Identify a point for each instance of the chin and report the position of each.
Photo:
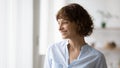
(64, 37)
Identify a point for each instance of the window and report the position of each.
(48, 24)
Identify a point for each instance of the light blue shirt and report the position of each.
(57, 57)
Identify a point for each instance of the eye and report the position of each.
(59, 21)
(65, 22)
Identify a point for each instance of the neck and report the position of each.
(76, 43)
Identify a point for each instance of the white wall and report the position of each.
(103, 36)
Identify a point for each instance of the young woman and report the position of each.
(74, 24)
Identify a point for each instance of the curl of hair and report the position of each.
(77, 14)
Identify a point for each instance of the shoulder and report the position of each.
(99, 58)
(94, 56)
(58, 45)
(95, 52)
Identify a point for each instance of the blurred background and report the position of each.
(29, 27)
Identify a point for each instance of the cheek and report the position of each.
(75, 30)
(66, 27)
(72, 30)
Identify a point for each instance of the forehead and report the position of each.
(62, 20)
(66, 20)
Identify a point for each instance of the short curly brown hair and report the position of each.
(77, 14)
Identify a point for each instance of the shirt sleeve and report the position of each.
(101, 62)
(47, 62)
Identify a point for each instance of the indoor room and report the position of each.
(29, 28)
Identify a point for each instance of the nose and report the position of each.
(60, 26)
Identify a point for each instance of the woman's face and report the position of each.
(67, 29)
